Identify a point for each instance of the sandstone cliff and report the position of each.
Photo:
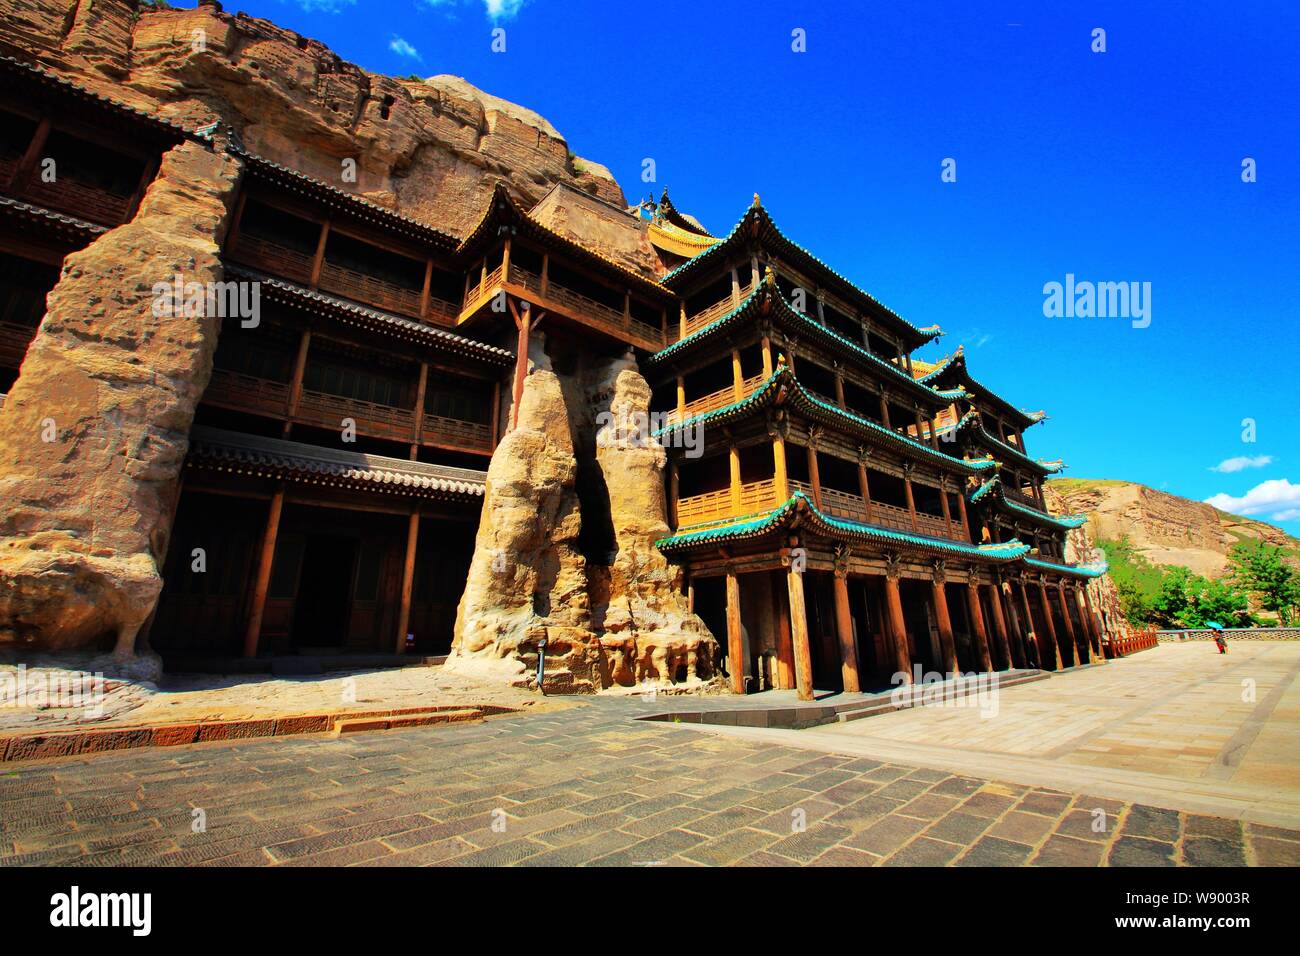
(431, 149)
(1166, 529)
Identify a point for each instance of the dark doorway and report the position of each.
(324, 591)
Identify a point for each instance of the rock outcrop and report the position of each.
(1081, 548)
(432, 149)
(1166, 529)
(565, 548)
(94, 433)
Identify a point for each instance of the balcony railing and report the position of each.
(436, 430)
(841, 504)
(14, 339)
(715, 507)
(714, 312)
(574, 304)
(715, 400)
(246, 393)
(271, 257)
(79, 199)
(369, 290)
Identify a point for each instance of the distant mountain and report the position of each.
(1165, 528)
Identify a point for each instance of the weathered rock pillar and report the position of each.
(94, 433)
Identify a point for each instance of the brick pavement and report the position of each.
(585, 785)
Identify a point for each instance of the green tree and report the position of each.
(1257, 567)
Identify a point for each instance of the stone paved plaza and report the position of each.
(590, 784)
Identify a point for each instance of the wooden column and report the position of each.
(943, 503)
(864, 486)
(681, 322)
(295, 384)
(839, 386)
(424, 289)
(408, 578)
(546, 273)
(1069, 624)
(1083, 623)
(735, 636)
(735, 287)
(681, 398)
(884, 410)
(31, 156)
(977, 622)
(1017, 632)
(733, 457)
(961, 508)
(318, 260)
(911, 501)
(523, 322)
(947, 642)
(265, 559)
(768, 367)
(420, 386)
(1051, 629)
(814, 475)
(784, 642)
(897, 627)
(1097, 628)
(844, 627)
(799, 634)
(780, 476)
(737, 377)
(1031, 633)
(505, 261)
(1000, 627)
(673, 490)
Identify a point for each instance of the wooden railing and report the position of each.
(14, 339)
(246, 393)
(1020, 498)
(79, 199)
(715, 507)
(714, 312)
(383, 421)
(574, 304)
(273, 258)
(841, 504)
(369, 290)
(436, 430)
(715, 400)
(1130, 641)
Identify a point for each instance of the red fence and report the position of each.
(1130, 642)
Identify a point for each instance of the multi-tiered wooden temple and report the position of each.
(849, 512)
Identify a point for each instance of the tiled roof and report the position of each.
(256, 456)
(794, 395)
(1074, 570)
(813, 519)
(993, 489)
(972, 422)
(358, 207)
(48, 217)
(52, 81)
(955, 366)
(767, 292)
(395, 325)
(757, 218)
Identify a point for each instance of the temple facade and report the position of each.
(837, 511)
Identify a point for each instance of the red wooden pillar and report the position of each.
(1098, 631)
(784, 642)
(844, 626)
(1069, 624)
(897, 627)
(262, 582)
(408, 578)
(799, 633)
(1051, 628)
(946, 641)
(735, 636)
(1000, 627)
(977, 622)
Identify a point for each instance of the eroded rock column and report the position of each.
(94, 432)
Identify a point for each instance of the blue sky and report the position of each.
(1122, 166)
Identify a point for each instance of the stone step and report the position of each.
(361, 724)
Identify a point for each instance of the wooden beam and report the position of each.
(844, 627)
(408, 578)
(318, 260)
(266, 557)
(27, 165)
(420, 386)
(295, 385)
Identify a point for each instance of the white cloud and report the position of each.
(1276, 497)
(325, 6)
(1241, 463)
(402, 48)
(503, 9)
